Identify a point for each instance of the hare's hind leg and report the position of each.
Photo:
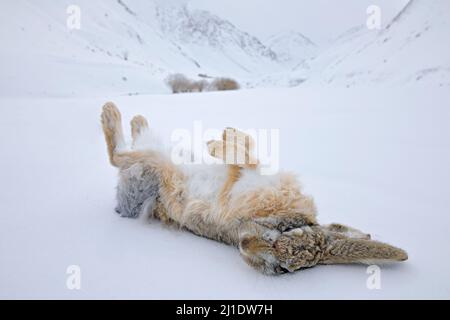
(144, 138)
(118, 153)
(112, 128)
(139, 125)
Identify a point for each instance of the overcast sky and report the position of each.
(320, 20)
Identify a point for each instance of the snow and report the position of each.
(372, 150)
(127, 47)
(412, 48)
(292, 47)
(377, 160)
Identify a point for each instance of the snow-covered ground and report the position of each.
(366, 129)
(375, 159)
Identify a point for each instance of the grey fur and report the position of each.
(137, 190)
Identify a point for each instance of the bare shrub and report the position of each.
(179, 83)
(224, 84)
(200, 86)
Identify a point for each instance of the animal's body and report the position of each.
(269, 218)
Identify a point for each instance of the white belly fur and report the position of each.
(204, 182)
(252, 180)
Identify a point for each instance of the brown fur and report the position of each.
(234, 173)
(138, 125)
(275, 227)
(112, 128)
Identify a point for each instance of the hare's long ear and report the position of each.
(350, 250)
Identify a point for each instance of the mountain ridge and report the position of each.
(292, 46)
(409, 49)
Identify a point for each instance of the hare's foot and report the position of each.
(232, 154)
(111, 118)
(138, 126)
(239, 137)
(112, 128)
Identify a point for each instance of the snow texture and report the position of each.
(372, 148)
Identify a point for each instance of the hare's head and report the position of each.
(331, 244)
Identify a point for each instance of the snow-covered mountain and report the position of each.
(207, 37)
(130, 46)
(126, 46)
(292, 47)
(412, 48)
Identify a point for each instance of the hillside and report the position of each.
(123, 46)
(292, 47)
(411, 48)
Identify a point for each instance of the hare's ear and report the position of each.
(350, 250)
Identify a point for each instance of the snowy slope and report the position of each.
(208, 38)
(123, 46)
(332, 55)
(412, 48)
(130, 46)
(292, 47)
(376, 159)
